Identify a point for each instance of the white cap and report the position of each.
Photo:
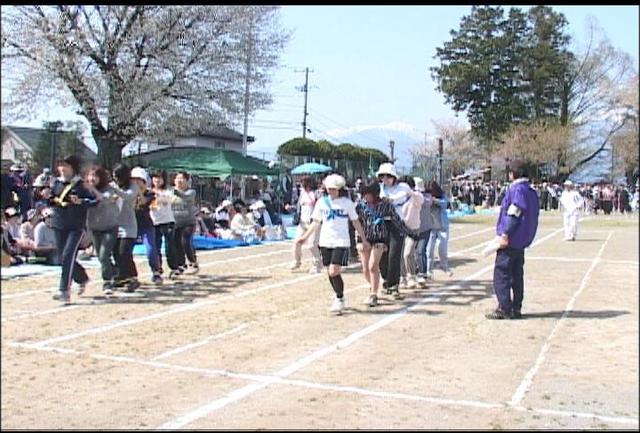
(568, 182)
(140, 173)
(334, 181)
(387, 168)
(419, 184)
(10, 212)
(258, 205)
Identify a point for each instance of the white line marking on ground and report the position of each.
(572, 259)
(201, 342)
(63, 309)
(524, 386)
(468, 235)
(146, 274)
(332, 387)
(174, 310)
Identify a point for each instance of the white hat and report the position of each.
(10, 212)
(140, 173)
(568, 182)
(387, 168)
(226, 203)
(258, 205)
(39, 182)
(334, 181)
(419, 184)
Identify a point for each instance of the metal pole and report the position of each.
(440, 156)
(306, 94)
(392, 145)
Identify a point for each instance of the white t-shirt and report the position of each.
(571, 201)
(334, 232)
(307, 201)
(160, 211)
(399, 194)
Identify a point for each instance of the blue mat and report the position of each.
(203, 243)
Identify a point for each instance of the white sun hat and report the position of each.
(140, 173)
(568, 182)
(334, 181)
(387, 168)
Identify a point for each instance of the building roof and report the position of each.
(221, 131)
(32, 136)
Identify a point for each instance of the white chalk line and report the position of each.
(97, 281)
(579, 260)
(527, 381)
(175, 310)
(325, 386)
(65, 308)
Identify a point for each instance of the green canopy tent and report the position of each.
(213, 163)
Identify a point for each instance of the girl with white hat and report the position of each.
(398, 193)
(332, 213)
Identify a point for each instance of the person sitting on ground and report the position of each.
(205, 225)
(26, 229)
(243, 226)
(9, 246)
(45, 239)
(224, 214)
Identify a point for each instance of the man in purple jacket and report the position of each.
(517, 226)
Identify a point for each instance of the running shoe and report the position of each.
(156, 279)
(371, 300)
(132, 286)
(337, 306)
(82, 287)
(294, 266)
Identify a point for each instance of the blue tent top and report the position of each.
(311, 168)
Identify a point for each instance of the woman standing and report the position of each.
(69, 200)
(127, 229)
(164, 221)
(410, 214)
(373, 213)
(426, 223)
(306, 201)
(102, 221)
(440, 230)
(332, 214)
(398, 193)
(184, 211)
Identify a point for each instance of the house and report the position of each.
(144, 151)
(21, 145)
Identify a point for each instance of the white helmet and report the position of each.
(387, 168)
(140, 173)
(334, 181)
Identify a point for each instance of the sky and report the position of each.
(369, 67)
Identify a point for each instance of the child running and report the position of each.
(373, 213)
(332, 213)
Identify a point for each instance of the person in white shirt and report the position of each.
(164, 221)
(399, 194)
(307, 199)
(332, 214)
(410, 214)
(572, 203)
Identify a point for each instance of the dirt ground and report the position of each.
(249, 344)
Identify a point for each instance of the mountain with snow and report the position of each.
(404, 135)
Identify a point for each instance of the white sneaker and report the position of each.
(294, 265)
(403, 282)
(337, 306)
(412, 281)
(421, 280)
(314, 270)
(429, 276)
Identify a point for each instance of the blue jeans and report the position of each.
(443, 237)
(421, 251)
(104, 243)
(508, 275)
(148, 235)
(166, 231)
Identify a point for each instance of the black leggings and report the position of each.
(391, 259)
(166, 231)
(123, 253)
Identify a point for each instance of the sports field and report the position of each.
(249, 344)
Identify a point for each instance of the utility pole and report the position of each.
(612, 161)
(305, 89)
(392, 144)
(440, 157)
(53, 129)
(246, 98)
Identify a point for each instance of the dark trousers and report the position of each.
(508, 276)
(67, 243)
(391, 259)
(166, 231)
(104, 243)
(184, 245)
(123, 253)
(148, 235)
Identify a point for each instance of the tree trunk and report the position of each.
(109, 151)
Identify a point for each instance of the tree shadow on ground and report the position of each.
(176, 291)
(576, 314)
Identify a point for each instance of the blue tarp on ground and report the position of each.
(203, 243)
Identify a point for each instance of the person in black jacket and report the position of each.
(69, 200)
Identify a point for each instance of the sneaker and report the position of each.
(57, 295)
(314, 270)
(428, 276)
(496, 314)
(294, 266)
(194, 268)
(66, 297)
(397, 295)
(420, 279)
(107, 288)
(412, 281)
(337, 306)
(156, 279)
(174, 274)
(82, 287)
(371, 300)
(132, 286)
(516, 314)
(403, 282)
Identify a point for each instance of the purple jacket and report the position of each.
(522, 195)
